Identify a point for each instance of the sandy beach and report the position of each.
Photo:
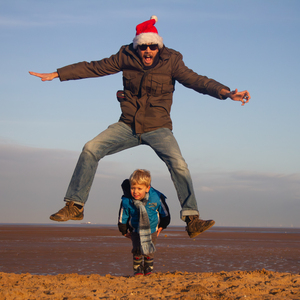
(92, 262)
(176, 285)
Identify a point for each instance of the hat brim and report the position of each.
(148, 38)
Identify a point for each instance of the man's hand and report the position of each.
(45, 76)
(235, 95)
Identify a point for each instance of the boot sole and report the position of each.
(55, 218)
(194, 234)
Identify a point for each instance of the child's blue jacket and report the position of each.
(156, 207)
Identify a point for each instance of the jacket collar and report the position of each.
(164, 53)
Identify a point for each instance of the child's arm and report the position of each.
(124, 212)
(123, 219)
(164, 214)
(123, 228)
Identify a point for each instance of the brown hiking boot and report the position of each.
(195, 226)
(69, 212)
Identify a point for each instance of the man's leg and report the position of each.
(163, 142)
(115, 138)
(166, 147)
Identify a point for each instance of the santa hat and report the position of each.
(146, 33)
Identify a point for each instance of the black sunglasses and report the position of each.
(144, 47)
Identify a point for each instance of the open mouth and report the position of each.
(148, 59)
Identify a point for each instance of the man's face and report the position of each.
(138, 191)
(146, 54)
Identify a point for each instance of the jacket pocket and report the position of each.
(161, 85)
(131, 83)
(160, 107)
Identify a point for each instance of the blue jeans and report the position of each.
(118, 137)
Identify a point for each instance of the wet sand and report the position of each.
(94, 262)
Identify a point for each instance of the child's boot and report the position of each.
(148, 265)
(138, 265)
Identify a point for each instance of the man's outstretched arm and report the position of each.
(243, 96)
(45, 76)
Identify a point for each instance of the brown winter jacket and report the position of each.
(148, 93)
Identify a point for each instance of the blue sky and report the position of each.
(244, 160)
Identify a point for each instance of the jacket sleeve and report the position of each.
(123, 220)
(164, 213)
(123, 228)
(199, 83)
(106, 66)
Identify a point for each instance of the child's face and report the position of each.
(138, 191)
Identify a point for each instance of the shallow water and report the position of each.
(86, 249)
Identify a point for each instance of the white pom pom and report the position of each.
(154, 17)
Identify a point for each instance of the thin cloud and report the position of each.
(254, 183)
(54, 20)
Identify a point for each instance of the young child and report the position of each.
(144, 213)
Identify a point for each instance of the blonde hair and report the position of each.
(140, 176)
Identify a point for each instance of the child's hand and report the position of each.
(128, 235)
(159, 230)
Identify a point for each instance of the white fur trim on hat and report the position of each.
(148, 38)
(154, 17)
